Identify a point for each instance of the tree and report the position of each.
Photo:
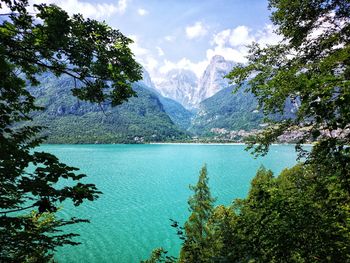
(159, 255)
(99, 60)
(295, 217)
(197, 233)
(298, 216)
(310, 67)
(221, 225)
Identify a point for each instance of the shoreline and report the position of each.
(197, 143)
(229, 143)
(175, 143)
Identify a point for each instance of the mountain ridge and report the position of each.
(69, 120)
(184, 87)
(149, 117)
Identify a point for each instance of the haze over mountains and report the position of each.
(177, 108)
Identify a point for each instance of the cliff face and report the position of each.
(184, 87)
(213, 79)
(179, 85)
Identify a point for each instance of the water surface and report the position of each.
(145, 185)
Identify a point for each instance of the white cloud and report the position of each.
(96, 11)
(136, 48)
(240, 36)
(160, 51)
(142, 12)
(150, 63)
(266, 36)
(122, 5)
(222, 37)
(4, 9)
(144, 56)
(232, 43)
(184, 63)
(236, 55)
(169, 38)
(229, 43)
(196, 31)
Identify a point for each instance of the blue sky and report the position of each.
(185, 34)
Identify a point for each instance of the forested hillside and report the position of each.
(70, 120)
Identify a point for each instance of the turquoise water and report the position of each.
(145, 185)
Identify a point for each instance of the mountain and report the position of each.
(179, 85)
(227, 110)
(177, 113)
(184, 87)
(69, 120)
(146, 79)
(234, 111)
(213, 79)
(150, 116)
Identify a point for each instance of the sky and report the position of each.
(185, 34)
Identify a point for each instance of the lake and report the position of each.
(144, 186)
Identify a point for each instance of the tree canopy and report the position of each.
(95, 56)
(310, 67)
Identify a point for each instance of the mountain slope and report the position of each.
(227, 110)
(234, 111)
(69, 120)
(177, 113)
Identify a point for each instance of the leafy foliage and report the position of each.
(30, 44)
(292, 218)
(300, 216)
(311, 66)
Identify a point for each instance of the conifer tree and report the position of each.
(198, 235)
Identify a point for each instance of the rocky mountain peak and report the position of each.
(181, 75)
(183, 86)
(217, 59)
(179, 85)
(213, 79)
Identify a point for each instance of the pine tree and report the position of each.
(196, 247)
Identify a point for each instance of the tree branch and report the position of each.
(16, 210)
